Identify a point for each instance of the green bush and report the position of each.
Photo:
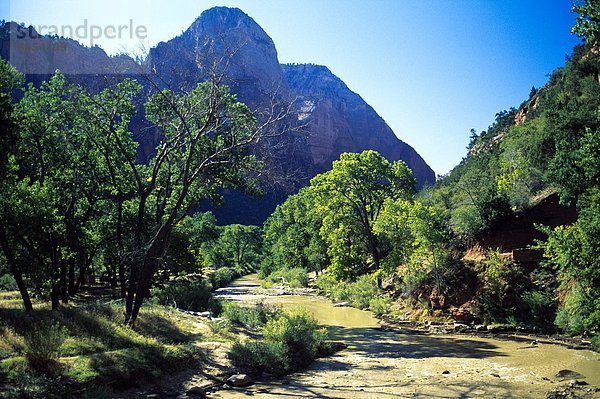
(185, 294)
(252, 317)
(221, 277)
(539, 307)
(359, 293)
(295, 277)
(42, 344)
(7, 283)
(571, 316)
(327, 284)
(380, 305)
(413, 281)
(596, 342)
(502, 284)
(300, 333)
(362, 291)
(218, 326)
(267, 356)
(291, 340)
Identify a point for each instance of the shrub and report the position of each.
(291, 341)
(358, 293)
(501, 285)
(300, 333)
(362, 291)
(221, 277)
(7, 283)
(571, 316)
(42, 345)
(218, 326)
(295, 277)
(327, 284)
(413, 281)
(596, 342)
(539, 306)
(185, 294)
(267, 356)
(380, 305)
(250, 317)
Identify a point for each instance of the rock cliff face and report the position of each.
(330, 118)
(35, 54)
(227, 42)
(339, 120)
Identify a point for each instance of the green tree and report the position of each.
(292, 237)
(10, 80)
(420, 236)
(57, 176)
(192, 239)
(588, 21)
(237, 246)
(206, 133)
(351, 196)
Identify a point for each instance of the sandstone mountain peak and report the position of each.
(313, 77)
(339, 120)
(223, 40)
(224, 17)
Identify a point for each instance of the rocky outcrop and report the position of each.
(526, 109)
(35, 54)
(226, 42)
(339, 120)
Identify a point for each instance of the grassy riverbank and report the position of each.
(83, 350)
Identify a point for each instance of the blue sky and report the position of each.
(433, 69)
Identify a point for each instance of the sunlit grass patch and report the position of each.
(87, 346)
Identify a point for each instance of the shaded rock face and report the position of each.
(327, 118)
(339, 120)
(227, 42)
(35, 54)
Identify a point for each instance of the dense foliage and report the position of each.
(77, 201)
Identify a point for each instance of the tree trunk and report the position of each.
(137, 265)
(72, 289)
(372, 241)
(55, 296)
(64, 293)
(121, 261)
(150, 264)
(14, 269)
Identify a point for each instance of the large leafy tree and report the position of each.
(10, 80)
(237, 246)
(206, 134)
(192, 241)
(350, 197)
(292, 237)
(419, 236)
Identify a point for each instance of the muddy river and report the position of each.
(385, 364)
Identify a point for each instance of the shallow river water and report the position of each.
(385, 364)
